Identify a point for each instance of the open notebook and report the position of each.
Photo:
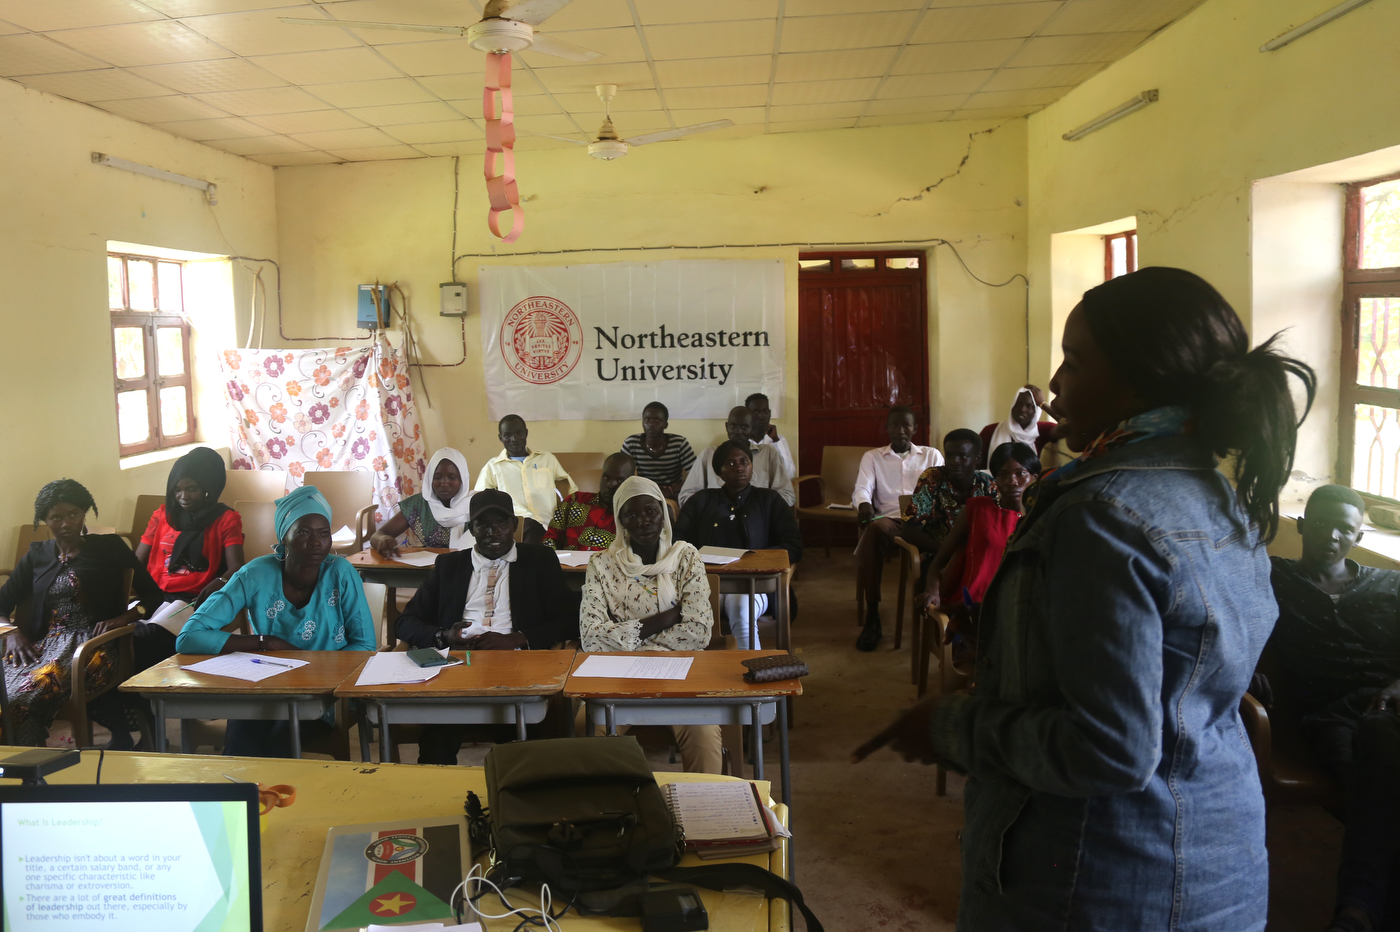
(723, 820)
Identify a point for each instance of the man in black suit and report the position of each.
(499, 595)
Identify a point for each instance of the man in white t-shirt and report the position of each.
(885, 474)
(765, 432)
(769, 472)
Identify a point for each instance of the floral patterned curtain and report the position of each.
(326, 409)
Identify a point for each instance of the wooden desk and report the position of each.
(713, 693)
(304, 693)
(374, 567)
(333, 793)
(6, 722)
(500, 687)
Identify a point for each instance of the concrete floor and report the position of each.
(876, 848)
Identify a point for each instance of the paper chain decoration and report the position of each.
(500, 140)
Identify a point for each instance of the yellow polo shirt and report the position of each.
(530, 484)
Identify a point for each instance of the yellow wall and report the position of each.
(340, 225)
(59, 211)
(1229, 115)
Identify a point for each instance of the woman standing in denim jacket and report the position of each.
(1110, 782)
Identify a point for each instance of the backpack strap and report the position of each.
(722, 876)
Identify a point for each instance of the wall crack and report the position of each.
(962, 163)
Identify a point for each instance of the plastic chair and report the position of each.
(587, 480)
(351, 495)
(1289, 772)
(836, 484)
(253, 485)
(146, 506)
(75, 712)
(951, 679)
(377, 596)
(574, 463)
(259, 527)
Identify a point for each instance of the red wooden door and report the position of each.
(862, 348)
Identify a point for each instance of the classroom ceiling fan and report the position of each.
(608, 146)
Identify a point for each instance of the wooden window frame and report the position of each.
(1358, 283)
(152, 382)
(1129, 238)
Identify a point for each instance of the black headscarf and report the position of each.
(206, 467)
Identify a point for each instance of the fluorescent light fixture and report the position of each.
(211, 190)
(1117, 113)
(1317, 22)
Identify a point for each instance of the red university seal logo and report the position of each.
(541, 340)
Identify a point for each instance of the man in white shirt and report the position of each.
(768, 469)
(528, 477)
(764, 431)
(885, 474)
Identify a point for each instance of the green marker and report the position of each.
(469, 658)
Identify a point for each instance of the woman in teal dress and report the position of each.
(437, 518)
(299, 597)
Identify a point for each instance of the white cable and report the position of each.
(476, 873)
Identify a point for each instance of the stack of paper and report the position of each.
(391, 667)
(720, 556)
(417, 558)
(636, 668)
(245, 666)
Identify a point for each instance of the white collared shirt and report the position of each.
(475, 610)
(784, 452)
(530, 483)
(885, 475)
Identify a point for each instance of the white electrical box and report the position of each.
(454, 299)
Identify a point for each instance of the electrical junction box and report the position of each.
(365, 317)
(454, 299)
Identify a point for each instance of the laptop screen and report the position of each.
(114, 858)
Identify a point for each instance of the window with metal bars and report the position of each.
(150, 353)
(1369, 436)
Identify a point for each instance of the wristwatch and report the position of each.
(440, 639)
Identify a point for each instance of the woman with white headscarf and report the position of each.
(436, 517)
(1020, 425)
(648, 592)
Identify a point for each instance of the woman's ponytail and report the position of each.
(1177, 341)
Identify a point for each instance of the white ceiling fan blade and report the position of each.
(577, 142)
(561, 49)
(355, 24)
(677, 133)
(534, 12)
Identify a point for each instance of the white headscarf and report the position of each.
(1008, 431)
(453, 515)
(668, 554)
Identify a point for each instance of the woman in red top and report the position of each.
(194, 543)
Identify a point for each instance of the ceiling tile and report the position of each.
(31, 54)
(201, 130)
(161, 109)
(742, 95)
(143, 43)
(713, 72)
(73, 14)
(419, 12)
(1010, 79)
(311, 121)
(208, 77)
(1004, 21)
(87, 86)
(995, 113)
(656, 12)
(9, 29)
(455, 86)
(737, 114)
(1087, 16)
(260, 145)
(1026, 97)
(834, 7)
(556, 123)
(807, 126)
(532, 105)
(820, 92)
(848, 110)
(628, 100)
(377, 153)
(956, 56)
(851, 31)
(574, 78)
(370, 93)
(263, 100)
(445, 131)
(590, 14)
(180, 8)
(1070, 50)
(617, 44)
(926, 85)
(441, 56)
(295, 158)
(327, 66)
(344, 138)
(897, 119)
(711, 40)
(816, 66)
(262, 33)
(397, 114)
(633, 124)
(932, 104)
(441, 149)
(536, 143)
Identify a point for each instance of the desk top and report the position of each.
(333, 793)
(374, 558)
(327, 670)
(492, 673)
(755, 562)
(714, 674)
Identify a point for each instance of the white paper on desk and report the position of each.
(840, 507)
(343, 536)
(574, 557)
(393, 667)
(245, 666)
(636, 668)
(172, 616)
(418, 558)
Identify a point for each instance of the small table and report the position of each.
(374, 567)
(713, 693)
(301, 694)
(6, 722)
(499, 687)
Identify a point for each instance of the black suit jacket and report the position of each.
(541, 606)
(761, 520)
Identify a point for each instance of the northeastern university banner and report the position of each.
(598, 342)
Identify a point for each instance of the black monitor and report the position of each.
(113, 858)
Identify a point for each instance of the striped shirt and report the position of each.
(664, 468)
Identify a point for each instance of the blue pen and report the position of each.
(271, 663)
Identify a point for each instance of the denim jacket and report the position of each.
(1111, 784)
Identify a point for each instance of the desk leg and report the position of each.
(757, 708)
(363, 706)
(185, 743)
(610, 711)
(391, 615)
(296, 729)
(520, 721)
(385, 744)
(783, 615)
(753, 619)
(786, 764)
(162, 745)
